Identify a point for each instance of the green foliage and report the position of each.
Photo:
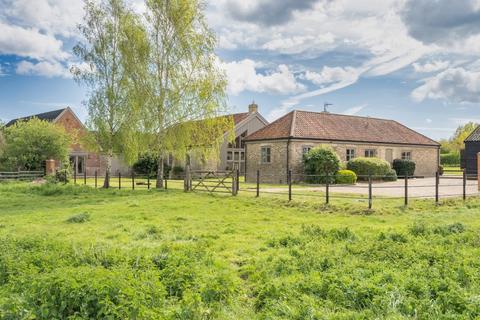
(391, 176)
(345, 177)
(320, 163)
(63, 175)
(456, 142)
(450, 159)
(404, 167)
(30, 143)
(363, 167)
(177, 172)
(79, 218)
(147, 163)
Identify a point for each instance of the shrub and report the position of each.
(364, 167)
(441, 171)
(320, 163)
(177, 172)
(391, 176)
(450, 159)
(404, 167)
(345, 177)
(147, 163)
(63, 176)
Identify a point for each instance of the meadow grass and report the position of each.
(73, 252)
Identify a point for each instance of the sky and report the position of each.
(414, 61)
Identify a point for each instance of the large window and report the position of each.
(266, 154)
(370, 153)
(350, 154)
(406, 155)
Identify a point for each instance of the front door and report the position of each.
(389, 155)
(78, 164)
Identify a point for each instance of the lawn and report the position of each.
(73, 252)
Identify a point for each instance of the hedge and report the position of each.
(364, 167)
(404, 167)
(450, 159)
(345, 177)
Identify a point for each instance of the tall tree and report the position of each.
(180, 77)
(113, 114)
(456, 142)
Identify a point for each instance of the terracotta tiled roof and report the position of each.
(335, 127)
(239, 117)
(47, 116)
(474, 136)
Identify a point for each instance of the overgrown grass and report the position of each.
(72, 252)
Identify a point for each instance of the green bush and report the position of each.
(146, 164)
(391, 176)
(404, 167)
(63, 175)
(177, 172)
(79, 218)
(450, 159)
(345, 177)
(320, 163)
(364, 167)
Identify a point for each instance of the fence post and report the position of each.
(464, 184)
(437, 184)
(166, 182)
(84, 176)
(258, 183)
(406, 189)
(327, 189)
(119, 180)
(75, 176)
(133, 180)
(186, 181)
(237, 173)
(234, 184)
(289, 185)
(96, 178)
(370, 199)
(148, 181)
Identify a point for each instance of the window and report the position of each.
(236, 156)
(406, 155)
(229, 156)
(370, 153)
(266, 154)
(242, 156)
(350, 154)
(306, 149)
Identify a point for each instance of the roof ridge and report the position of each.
(343, 115)
(477, 129)
(292, 124)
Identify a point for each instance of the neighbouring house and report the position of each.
(280, 146)
(81, 160)
(232, 154)
(470, 154)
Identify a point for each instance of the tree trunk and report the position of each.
(160, 173)
(108, 169)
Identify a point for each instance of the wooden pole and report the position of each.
(327, 189)
(464, 184)
(406, 189)
(289, 185)
(258, 183)
(119, 180)
(478, 170)
(96, 179)
(84, 176)
(148, 181)
(133, 180)
(237, 176)
(370, 194)
(437, 186)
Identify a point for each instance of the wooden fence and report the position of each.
(21, 175)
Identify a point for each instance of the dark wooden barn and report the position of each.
(469, 155)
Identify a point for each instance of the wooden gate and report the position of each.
(214, 181)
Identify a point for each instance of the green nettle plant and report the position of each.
(321, 165)
(28, 144)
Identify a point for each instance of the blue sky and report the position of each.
(415, 61)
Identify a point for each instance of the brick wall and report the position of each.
(426, 158)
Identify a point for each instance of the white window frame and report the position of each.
(404, 155)
(266, 154)
(372, 153)
(348, 156)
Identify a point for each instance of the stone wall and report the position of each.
(426, 158)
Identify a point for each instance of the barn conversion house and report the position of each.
(279, 147)
(470, 154)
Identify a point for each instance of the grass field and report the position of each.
(72, 252)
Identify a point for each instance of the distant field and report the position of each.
(78, 253)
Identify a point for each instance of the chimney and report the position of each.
(253, 107)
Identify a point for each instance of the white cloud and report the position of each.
(29, 42)
(331, 74)
(454, 84)
(243, 76)
(354, 110)
(433, 66)
(44, 68)
(428, 120)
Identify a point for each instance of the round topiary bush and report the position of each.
(391, 176)
(404, 167)
(364, 167)
(345, 177)
(321, 164)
